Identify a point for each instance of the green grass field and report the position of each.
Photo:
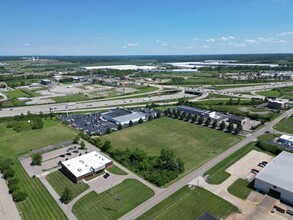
(39, 204)
(14, 143)
(104, 206)
(195, 144)
(116, 170)
(240, 188)
(59, 182)
(270, 93)
(71, 98)
(285, 125)
(189, 203)
(217, 174)
(284, 92)
(13, 94)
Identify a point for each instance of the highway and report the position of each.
(139, 210)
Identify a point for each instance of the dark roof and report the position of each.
(191, 110)
(206, 216)
(236, 118)
(117, 112)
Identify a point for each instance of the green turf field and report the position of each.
(116, 170)
(131, 193)
(240, 188)
(285, 125)
(13, 143)
(195, 144)
(39, 204)
(59, 182)
(189, 203)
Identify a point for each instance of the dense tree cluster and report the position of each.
(66, 196)
(36, 159)
(269, 148)
(201, 120)
(6, 168)
(157, 169)
(29, 121)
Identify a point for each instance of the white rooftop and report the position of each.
(279, 172)
(286, 137)
(86, 163)
(129, 117)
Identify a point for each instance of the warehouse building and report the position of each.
(122, 116)
(286, 139)
(85, 166)
(276, 179)
(274, 104)
(239, 120)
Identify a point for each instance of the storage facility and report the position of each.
(286, 139)
(85, 166)
(276, 179)
(122, 116)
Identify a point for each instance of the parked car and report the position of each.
(106, 175)
(254, 171)
(261, 165)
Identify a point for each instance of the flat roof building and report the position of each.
(237, 119)
(85, 166)
(276, 179)
(122, 116)
(275, 104)
(286, 139)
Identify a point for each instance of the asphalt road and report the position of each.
(199, 172)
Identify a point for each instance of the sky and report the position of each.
(145, 27)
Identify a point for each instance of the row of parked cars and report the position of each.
(261, 164)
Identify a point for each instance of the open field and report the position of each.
(59, 182)
(217, 173)
(71, 98)
(39, 204)
(14, 143)
(13, 94)
(240, 188)
(112, 203)
(286, 125)
(284, 92)
(189, 203)
(195, 144)
(116, 170)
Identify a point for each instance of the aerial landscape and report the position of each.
(146, 110)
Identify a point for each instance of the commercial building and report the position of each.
(122, 116)
(85, 166)
(239, 120)
(286, 139)
(274, 104)
(276, 179)
(193, 111)
(46, 82)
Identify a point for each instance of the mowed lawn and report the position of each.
(285, 125)
(59, 182)
(195, 144)
(240, 188)
(39, 203)
(13, 143)
(112, 203)
(189, 203)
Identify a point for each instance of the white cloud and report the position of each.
(26, 44)
(160, 42)
(283, 34)
(205, 46)
(227, 38)
(164, 44)
(251, 41)
(195, 38)
(279, 41)
(237, 44)
(262, 39)
(132, 45)
(99, 38)
(210, 40)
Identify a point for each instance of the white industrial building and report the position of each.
(276, 179)
(85, 165)
(286, 139)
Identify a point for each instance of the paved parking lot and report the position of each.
(242, 167)
(51, 159)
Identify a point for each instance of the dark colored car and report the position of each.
(255, 171)
(264, 162)
(106, 175)
(261, 165)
